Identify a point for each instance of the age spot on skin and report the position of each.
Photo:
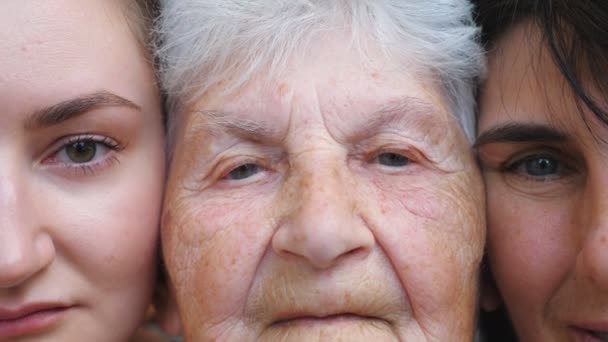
(283, 89)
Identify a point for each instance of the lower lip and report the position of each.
(32, 323)
(583, 335)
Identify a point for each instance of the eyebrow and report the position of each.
(243, 128)
(75, 107)
(389, 115)
(409, 112)
(520, 132)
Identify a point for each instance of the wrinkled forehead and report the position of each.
(340, 83)
(350, 105)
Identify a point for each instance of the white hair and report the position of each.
(205, 42)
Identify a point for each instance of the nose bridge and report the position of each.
(323, 224)
(23, 251)
(324, 192)
(594, 250)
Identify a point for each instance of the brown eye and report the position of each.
(81, 152)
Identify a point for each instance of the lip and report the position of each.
(585, 333)
(30, 318)
(311, 319)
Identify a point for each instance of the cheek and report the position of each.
(119, 238)
(213, 248)
(530, 246)
(433, 233)
(447, 210)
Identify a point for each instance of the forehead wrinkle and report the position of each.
(411, 114)
(216, 122)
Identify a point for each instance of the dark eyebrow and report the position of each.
(521, 132)
(72, 108)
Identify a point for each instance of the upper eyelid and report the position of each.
(98, 138)
(63, 141)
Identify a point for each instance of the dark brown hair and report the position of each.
(576, 34)
(575, 31)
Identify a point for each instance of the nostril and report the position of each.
(20, 259)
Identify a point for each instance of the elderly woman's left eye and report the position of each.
(392, 159)
(243, 171)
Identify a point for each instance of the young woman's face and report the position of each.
(547, 183)
(81, 172)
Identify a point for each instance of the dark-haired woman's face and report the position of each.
(547, 185)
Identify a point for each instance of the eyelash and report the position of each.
(87, 168)
(513, 164)
(412, 155)
(224, 171)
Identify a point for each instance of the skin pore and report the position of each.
(340, 202)
(81, 172)
(544, 160)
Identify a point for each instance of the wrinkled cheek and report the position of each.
(214, 261)
(434, 235)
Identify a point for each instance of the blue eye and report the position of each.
(392, 159)
(538, 166)
(541, 166)
(243, 171)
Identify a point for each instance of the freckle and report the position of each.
(305, 182)
(347, 298)
(375, 75)
(283, 89)
(335, 173)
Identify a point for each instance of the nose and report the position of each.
(24, 249)
(324, 226)
(593, 255)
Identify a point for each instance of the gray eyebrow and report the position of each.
(250, 129)
(75, 107)
(408, 111)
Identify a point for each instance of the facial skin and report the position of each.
(547, 184)
(81, 172)
(339, 203)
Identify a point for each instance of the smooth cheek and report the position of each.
(437, 245)
(107, 231)
(531, 250)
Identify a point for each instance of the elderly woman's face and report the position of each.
(547, 196)
(337, 203)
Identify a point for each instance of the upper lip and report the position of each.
(7, 314)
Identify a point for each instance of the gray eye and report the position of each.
(393, 159)
(243, 171)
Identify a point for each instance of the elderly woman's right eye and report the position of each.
(243, 171)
